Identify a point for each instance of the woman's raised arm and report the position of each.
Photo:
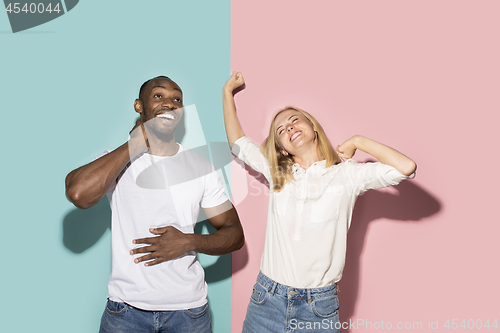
(381, 152)
(231, 122)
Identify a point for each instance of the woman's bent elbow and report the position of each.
(410, 168)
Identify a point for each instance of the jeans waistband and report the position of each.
(274, 287)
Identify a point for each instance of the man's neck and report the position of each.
(163, 147)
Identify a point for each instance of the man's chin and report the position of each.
(163, 133)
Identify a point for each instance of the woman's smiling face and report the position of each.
(293, 130)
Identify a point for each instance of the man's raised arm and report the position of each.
(86, 185)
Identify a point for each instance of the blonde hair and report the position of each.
(281, 165)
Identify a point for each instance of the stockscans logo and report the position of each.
(25, 15)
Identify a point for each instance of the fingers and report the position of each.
(158, 231)
(237, 76)
(146, 257)
(154, 262)
(144, 249)
(149, 240)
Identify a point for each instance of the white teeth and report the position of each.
(294, 136)
(166, 116)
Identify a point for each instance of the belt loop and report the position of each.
(337, 287)
(274, 287)
(308, 295)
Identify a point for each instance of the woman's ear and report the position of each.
(284, 152)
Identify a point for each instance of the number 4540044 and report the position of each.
(31, 8)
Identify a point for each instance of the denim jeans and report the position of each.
(277, 308)
(123, 318)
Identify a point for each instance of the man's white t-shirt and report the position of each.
(159, 191)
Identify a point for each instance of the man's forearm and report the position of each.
(223, 241)
(86, 185)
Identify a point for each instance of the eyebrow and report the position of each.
(286, 120)
(175, 88)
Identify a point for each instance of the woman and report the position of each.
(310, 207)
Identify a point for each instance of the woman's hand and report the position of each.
(348, 148)
(235, 80)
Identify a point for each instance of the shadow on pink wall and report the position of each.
(405, 203)
(241, 257)
(410, 204)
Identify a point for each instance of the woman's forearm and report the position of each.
(381, 152)
(231, 121)
(386, 155)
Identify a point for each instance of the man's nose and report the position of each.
(168, 103)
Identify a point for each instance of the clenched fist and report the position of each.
(235, 80)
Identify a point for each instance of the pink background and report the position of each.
(420, 76)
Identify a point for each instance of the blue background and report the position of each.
(67, 89)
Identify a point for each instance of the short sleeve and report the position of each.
(214, 194)
(249, 152)
(368, 176)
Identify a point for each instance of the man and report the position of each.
(156, 185)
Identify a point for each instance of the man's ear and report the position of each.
(138, 106)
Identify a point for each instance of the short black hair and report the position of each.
(145, 83)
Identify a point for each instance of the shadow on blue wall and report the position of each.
(83, 228)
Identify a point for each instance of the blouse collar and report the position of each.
(299, 172)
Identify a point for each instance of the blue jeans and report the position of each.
(123, 318)
(277, 308)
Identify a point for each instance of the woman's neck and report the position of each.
(308, 157)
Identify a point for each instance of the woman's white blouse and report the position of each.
(307, 222)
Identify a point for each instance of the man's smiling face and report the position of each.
(160, 106)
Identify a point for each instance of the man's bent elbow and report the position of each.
(241, 241)
(75, 197)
